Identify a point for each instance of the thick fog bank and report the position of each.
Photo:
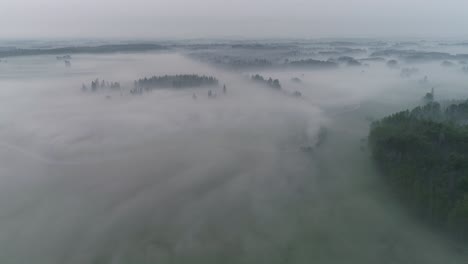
(168, 177)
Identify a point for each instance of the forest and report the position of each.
(114, 48)
(311, 63)
(275, 84)
(174, 81)
(423, 155)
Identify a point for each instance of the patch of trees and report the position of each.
(316, 64)
(413, 54)
(457, 113)
(341, 43)
(347, 50)
(373, 59)
(267, 46)
(392, 64)
(417, 56)
(337, 51)
(350, 61)
(429, 97)
(296, 80)
(275, 84)
(249, 46)
(296, 94)
(97, 85)
(173, 81)
(423, 155)
(64, 57)
(239, 63)
(231, 61)
(329, 53)
(447, 63)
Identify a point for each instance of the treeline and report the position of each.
(64, 57)
(423, 155)
(418, 56)
(315, 64)
(350, 61)
(272, 83)
(231, 61)
(275, 85)
(173, 81)
(84, 49)
(96, 85)
(242, 63)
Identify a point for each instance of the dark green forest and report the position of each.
(423, 155)
(174, 81)
(275, 84)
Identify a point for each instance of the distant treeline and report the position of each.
(231, 61)
(174, 81)
(241, 63)
(416, 55)
(84, 49)
(423, 154)
(65, 57)
(263, 46)
(275, 84)
(317, 64)
(96, 85)
(350, 61)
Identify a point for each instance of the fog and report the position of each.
(240, 177)
(242, 18)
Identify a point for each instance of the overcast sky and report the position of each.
(157, 19)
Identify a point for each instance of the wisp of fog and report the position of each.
(176, 176)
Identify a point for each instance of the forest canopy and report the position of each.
(423, 154)
(175, 81)
(272, 83)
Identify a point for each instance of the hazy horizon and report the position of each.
(240, 19)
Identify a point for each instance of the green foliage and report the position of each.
(275, 84)
(174, 81)
(315, 64)
(423, 154)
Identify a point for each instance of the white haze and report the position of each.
(163, 178)
(158, 19)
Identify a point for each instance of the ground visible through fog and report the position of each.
(162, 178)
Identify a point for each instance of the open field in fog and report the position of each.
(250, 175)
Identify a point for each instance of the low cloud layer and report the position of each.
(162, 177)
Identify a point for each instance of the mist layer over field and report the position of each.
(108, 177)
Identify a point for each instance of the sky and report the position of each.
(159, 19)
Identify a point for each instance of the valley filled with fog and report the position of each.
(99, 164)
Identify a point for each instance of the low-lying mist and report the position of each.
(169, 177)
